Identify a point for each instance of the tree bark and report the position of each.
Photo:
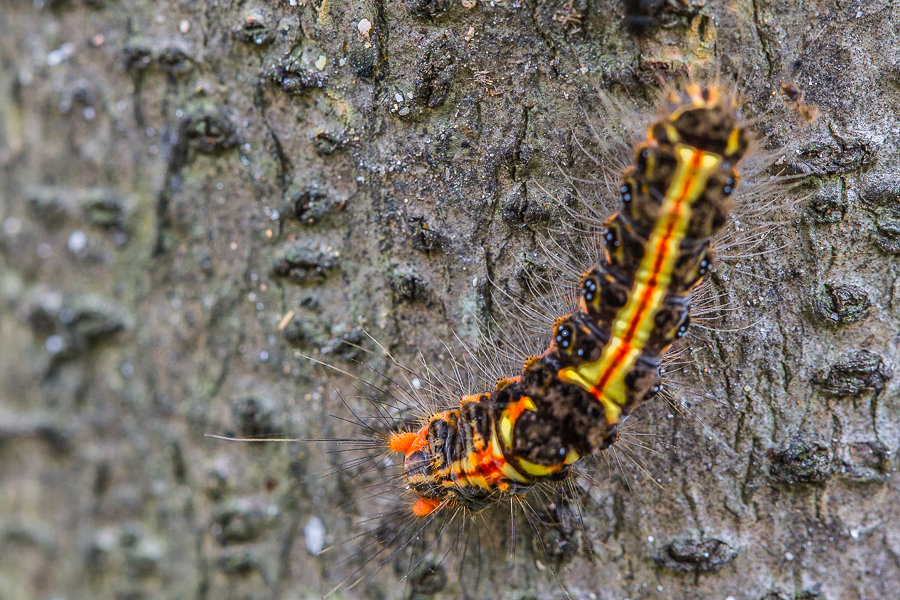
(195, 192)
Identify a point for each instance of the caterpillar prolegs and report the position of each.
(603, 359)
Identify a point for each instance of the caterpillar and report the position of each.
(569, 402)
(603, 359)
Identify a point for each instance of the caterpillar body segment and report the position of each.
(604, 358)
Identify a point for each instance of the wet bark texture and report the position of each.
(190, 190)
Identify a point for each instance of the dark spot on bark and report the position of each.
(651, 71)
(208, 132)
(436, 68)
(468, 112)
(887, 223)
(294, 79)
(407, 285)
(643, 16)
(47, 205)
(829, 204)
(327, 143)
(303, 264)
(308, 206)
(137, 58)
(239, 522)
(254, 417)
(861, 371)
(255, 32)
(881, 193)
(348, 345)
(98, 552)
(427, 9)
(841, 304)
(42, 315)
(812, 593)
(215, 484)
(102, 479)
(174, 60)
(89, 323)
(517, 159)
(131, 534)
(55, 4)
(57, 438)
(424, 238)
(363, 61)
(520, 211)
(697, 556)
(532, 275)
(104, 209)
(295, 333)
(556, 532)
(78, 325)
(830, 158)
(143, 558)
(866, 462)
(240, 562)
(801, 461)
(428, 578)
(82, 95)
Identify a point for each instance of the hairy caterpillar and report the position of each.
(604, 358)
(459, 460)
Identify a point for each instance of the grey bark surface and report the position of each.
(191, 191)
